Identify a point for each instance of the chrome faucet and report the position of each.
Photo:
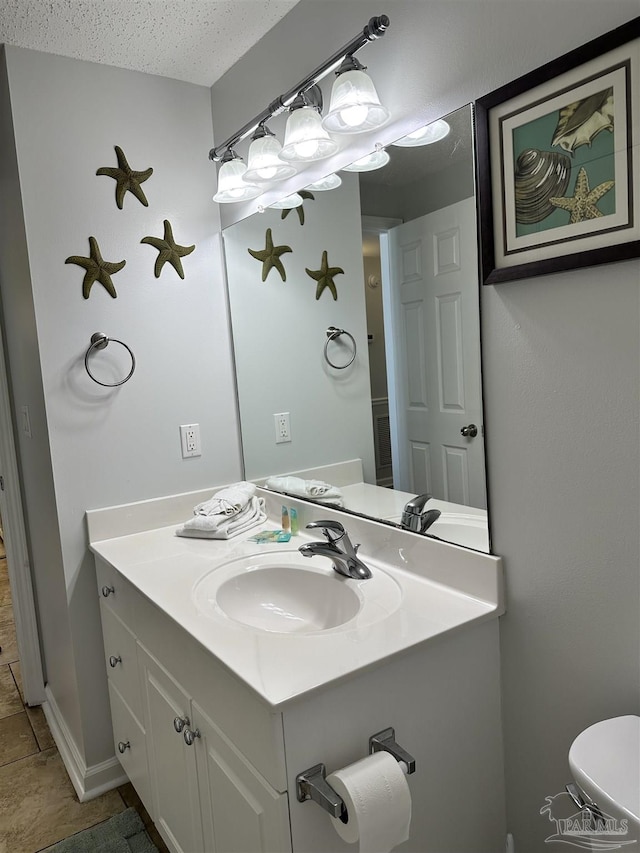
(415, 517)
(345, 560)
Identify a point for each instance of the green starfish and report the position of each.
(96, 268)
(582, 205)
(126, 179)
(324, 277)
(270, 256)
(169, 251)
(300, 209)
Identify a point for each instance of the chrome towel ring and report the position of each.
(333, 334)
(99, 341)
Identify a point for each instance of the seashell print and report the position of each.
(539, 177)
(580, 122)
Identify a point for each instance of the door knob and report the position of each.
(114, 661)
(107, 591)
(180, 722)
(470, 431)
(123, 746)
(190, 736)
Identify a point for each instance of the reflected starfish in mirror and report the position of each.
(169, 251)
(582, 205)
(300, 209)
(270, 256)
(126, 179)
(324, 277)
(97, 269)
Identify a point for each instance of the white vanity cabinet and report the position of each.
(219, 784)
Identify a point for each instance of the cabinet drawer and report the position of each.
(120, 651)
(115, 591)
(127, 730)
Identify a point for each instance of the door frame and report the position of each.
(15, 542)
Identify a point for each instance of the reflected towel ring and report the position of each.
(99, 341)
(333, 334)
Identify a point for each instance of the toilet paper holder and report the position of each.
(312, 784)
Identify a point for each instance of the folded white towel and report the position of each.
(317, 490)
(228, 501)
(225, 526)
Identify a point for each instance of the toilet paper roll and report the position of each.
(378, 802)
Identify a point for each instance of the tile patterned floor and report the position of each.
(38, 804)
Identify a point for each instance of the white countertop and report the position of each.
(443, 588)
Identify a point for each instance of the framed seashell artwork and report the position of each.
(558, 155)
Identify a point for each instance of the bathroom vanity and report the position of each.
(215, 714)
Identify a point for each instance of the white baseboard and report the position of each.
(89, 782)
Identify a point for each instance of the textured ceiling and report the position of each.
(193, 40)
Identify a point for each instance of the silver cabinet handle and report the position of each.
(107, 591)
(180, 722)
(470, 431)
(123, 747)
(190, 736)
(114, 661)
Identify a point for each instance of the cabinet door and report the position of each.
(172, 763)
(241, 812)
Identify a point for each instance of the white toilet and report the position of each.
(605, 764)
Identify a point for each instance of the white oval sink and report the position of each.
(286, 593)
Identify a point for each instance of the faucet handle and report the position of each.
(328, 528)
(416, 505)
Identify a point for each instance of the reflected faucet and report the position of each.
(415, 517)
(345, 560)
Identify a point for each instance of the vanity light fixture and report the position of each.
(426, 135)
(288, 202)
(306, 139)
(354, 106)
(329, 182)
(231, 183)
(376, 160)
(263, 161)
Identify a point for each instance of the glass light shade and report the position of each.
(286, 203)
(231, 186)
(264, 163)
(426, 135)
(330, 182)
(355, 106)
(375, 160)
(305, 139)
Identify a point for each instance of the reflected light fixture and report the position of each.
(231, 183)
(329, 182)
(376, 160)
(426, 135)
(263, 161)
(288, 202)
(305, 139)
(354, 106)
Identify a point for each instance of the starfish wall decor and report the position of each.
(582, 204)
(97, 269)
(169, 251)
(300, 209)
(270, 256)
(126, 179)
(324, 277)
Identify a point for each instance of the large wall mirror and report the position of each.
(388, 258)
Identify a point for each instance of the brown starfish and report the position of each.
(168, 250)
(126, 179)
(324, 277)
(270, 256)
(300, 209)
(97, 269)
(582, 205)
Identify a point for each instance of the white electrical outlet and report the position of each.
(283, 427)
(190, 440)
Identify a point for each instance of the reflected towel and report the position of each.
(317, 490)
(228, 501)
(223, 526)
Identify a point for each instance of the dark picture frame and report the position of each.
(558, 163)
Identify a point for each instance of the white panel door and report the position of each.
(241, 812)
(436, 340)
(172, 764)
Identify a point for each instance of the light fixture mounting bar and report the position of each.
(375, 29)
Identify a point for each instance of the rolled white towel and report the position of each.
(228, 501)
(314, 489)
(225, 526)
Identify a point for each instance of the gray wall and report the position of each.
(561, 373)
